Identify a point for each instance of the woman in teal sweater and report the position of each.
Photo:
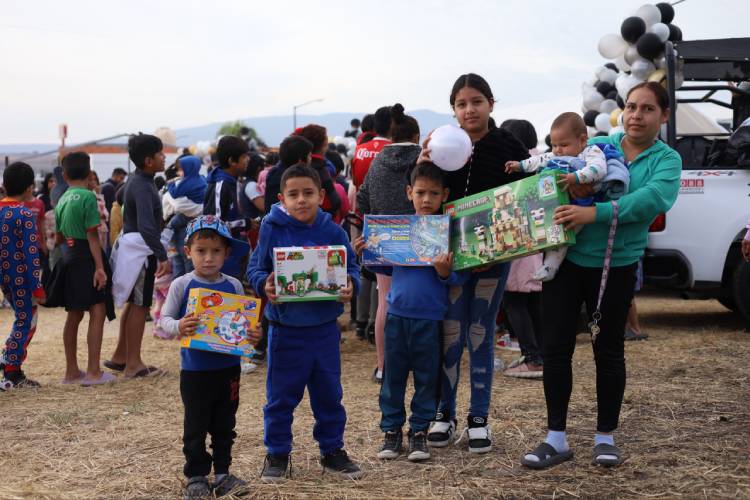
(654, 182)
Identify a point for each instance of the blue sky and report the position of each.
(106, 67)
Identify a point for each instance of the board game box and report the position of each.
(507, 222)
(404, 240)
(309, 273)
(225, 319)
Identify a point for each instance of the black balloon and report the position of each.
(675, 33)
(632, 28)
(601, 134)
(620, 102)
(612, 94)
(612, 66)
(589, 117)
(667, 12)
(604, 88)
(649, 45)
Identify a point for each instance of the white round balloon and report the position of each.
(615, 130)
(632, 55)
(607, 75)
(592, 100)
(611, 45)
(661, 63)
(602, 122)
(450, 147)
(622, 64)
(661, 30)
(608, 105)
(624, 83)
(642, 68)
(650, 13)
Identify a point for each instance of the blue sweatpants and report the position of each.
(298, 358)
(470, 322)
(410, 345)
(24, 327)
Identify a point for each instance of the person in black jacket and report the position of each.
(294, 149)
(319, 138)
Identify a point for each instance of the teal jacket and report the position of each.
(654, 184)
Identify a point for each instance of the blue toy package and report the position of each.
(405, 240)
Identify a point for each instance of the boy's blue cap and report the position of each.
(239, 247)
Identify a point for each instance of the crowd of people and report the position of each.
(129, 246)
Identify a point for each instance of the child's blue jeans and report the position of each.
(300, 357)
(180, 262)
(470, 322)
(410, 345)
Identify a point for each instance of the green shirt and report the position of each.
(654, 184)
(76, 213)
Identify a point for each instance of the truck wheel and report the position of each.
(741, 289)
(728, 302)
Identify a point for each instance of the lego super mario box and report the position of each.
(404, 240)
(225, 319)
(507, 222)
(309, 273)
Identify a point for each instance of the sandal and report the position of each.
(547, 455)
(104, 378)
(149, 371)
(606, 449)
(81, 375)
(117, 367)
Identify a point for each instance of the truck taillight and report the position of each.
(659, 224)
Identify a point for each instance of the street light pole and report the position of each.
(294, 108)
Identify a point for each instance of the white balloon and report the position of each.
(602, 122)
(592, 100)
(611, 46)
(202, 148)
(167, 136)
(649, 13)
(607, 75)
(661, 63)
(591, 131)
(624, 83)
(642, 68)
(661, 30)
(622, 64)
(631, 55)
(450, 147)
(608, 105)
(615, 130)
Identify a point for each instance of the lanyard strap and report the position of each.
(597, 316)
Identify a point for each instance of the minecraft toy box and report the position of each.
(225, 319)
(404, 240)
(507, 222)
(309, 273)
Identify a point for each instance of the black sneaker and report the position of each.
(361, 333)
(441, 431)
(418, 449)
(197, 487)
(275, 468)
(230, 484)
(257, 357)
(16, 380)
(391, 445)
(370, 332)
(478, 430)
(375, 378)
(337, 462)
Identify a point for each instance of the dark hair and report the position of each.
(523, 130)
(382, 121)
(335, 158)
(76, 165)
(171, 171)
(45, 184)
(159, 182)
(93, 172)
(300, 170)
(294, 149)
(571, 120)
(342, 149)
(254, 166)
(315, 134)
(661, 95)
(119, 171)
(17, 178)
(143, 146)
(428, 170)
(230, 147)
(476, 82)
(368, 122)
(355, 122)
(272, 158)
(403, 127)
(206, 234)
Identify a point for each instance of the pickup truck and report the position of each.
(694, 249)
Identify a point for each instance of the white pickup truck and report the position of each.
(695, 247)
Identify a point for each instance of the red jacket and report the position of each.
(363, 156)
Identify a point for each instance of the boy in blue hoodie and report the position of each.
(221, 197)
(304, 339)
(192, 188)
(417, 303)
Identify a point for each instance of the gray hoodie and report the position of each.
(384, 190)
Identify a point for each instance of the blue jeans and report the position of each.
(470, 322)
(300, 357)
(410, 345)
(180, 262)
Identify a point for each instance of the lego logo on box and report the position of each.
(307, 274)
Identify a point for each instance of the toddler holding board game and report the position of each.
(209, 381)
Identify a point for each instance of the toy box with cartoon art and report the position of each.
(225, 320)
(507, 222)
(404, 240)
(309, 273)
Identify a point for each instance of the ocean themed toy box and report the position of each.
(309, 273)
(507, 222)
(225, 319)
(405, 240)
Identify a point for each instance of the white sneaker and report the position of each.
(441, 433)
(246, 367)
(480, 437)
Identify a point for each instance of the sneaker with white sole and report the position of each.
(525, 370)
(418, 450)
(478, 432)
(392, 443)
(441, 431)
(338, 462)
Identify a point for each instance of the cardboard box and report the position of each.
(225, 319)
(309, 273)
(405, 240)
(507, 222)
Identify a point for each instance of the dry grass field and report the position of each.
(685, 426)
